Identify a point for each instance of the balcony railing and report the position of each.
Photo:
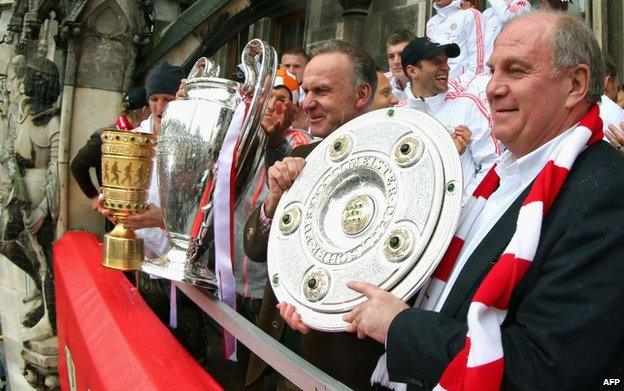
(288, 364)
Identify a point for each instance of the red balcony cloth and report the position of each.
(115, 340)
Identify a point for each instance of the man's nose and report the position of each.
(160, 107)
(393, 100)
(309, 102)
(495, 87)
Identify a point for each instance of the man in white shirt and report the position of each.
(451, 24)
(426, 64)
(394, 48)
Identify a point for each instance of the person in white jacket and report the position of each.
(497, 15)
(394, 47)
(451, 24)
(426, 64)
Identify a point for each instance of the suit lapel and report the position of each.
(483, 258)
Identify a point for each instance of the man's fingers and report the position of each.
(609, 133)
(365, 288)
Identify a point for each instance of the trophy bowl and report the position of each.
(127, 159)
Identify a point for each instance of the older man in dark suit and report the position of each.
(534, 299)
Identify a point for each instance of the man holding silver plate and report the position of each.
(347, 210)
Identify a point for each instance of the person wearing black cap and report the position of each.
(134, 111)
(161, 85)
(426, 64)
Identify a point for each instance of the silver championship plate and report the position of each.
(193, 131)
(377, 201)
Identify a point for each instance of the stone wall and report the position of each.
(325, 22)
(15, 285)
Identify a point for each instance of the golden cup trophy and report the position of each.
(127, 159)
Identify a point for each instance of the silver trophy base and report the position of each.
(200, 277)
(169, 266)
(173, 266)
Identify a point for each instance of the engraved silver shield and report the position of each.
(378, 201)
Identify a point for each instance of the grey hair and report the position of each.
(362, 63)
(573, 43)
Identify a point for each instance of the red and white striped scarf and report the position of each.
(479, 365)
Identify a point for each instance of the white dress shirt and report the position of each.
(515, 175)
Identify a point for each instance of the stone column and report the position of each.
(354, 14)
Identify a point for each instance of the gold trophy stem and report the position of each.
(122, 249)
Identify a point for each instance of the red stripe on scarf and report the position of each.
(452, 378)
(484, 377)
(593, 121)
(500, 282)
(547, 185)
(488, 185)
(444, 269)
(459, 377)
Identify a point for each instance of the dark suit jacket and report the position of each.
(341, 355)
(565, 326)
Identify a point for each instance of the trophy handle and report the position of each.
(259, 65)
(204, 67)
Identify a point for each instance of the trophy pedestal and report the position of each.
(122, 249)
(170, 266)
(201, 277)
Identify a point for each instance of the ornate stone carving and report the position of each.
(29, 210)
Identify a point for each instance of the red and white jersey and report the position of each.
(496, 17)
(473, 84)
(451, 24)
(462, 108)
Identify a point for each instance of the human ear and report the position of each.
(579, 77)
(364, 94)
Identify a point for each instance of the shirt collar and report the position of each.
(529, 165)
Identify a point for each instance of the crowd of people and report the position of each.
(526, 295)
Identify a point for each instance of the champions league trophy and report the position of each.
(126, 171)
(191, 140)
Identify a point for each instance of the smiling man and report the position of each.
(464, 115)
(522, 299)
(339, 82)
